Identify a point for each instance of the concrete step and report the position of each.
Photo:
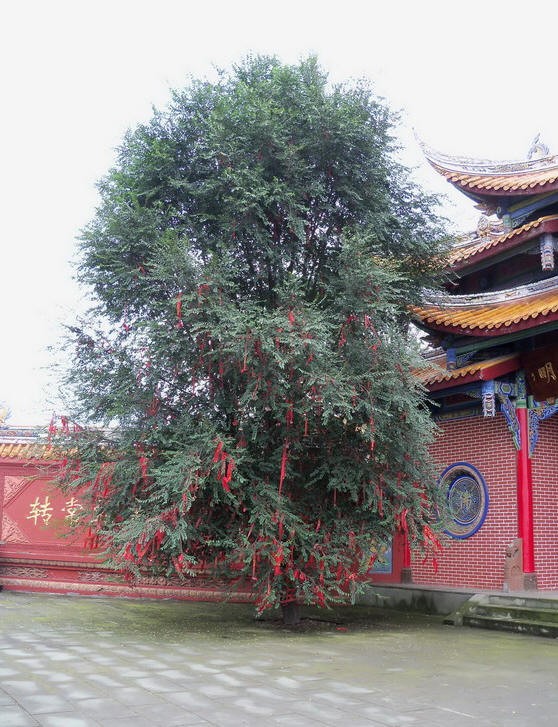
(510, 613)
(524, 614)
(516, 600)
(524, 626)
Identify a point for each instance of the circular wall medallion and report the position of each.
(467, 498)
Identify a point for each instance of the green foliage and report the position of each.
(252, 261)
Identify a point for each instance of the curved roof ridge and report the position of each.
(490, 167)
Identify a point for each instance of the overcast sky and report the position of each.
(473, 78)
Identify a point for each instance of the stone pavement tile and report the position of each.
(255, 707)
(158, 684)
(202, 668)
(83, 666)
(83, 650)
(270, 694)
(170, 715)
(248, 671)
(5, 698)
(135, 696)
(7, 671)
(58, 655)
(346, 688)
(16, 717)
(31, 662)
(215, 691)
(122, 653)
(230, 717)
(191, 700)
(221, 662)
(21, 687)
(436, 718)
(66, 719)
(231, 681)
(337, 699)
(51, 675)
(134, 721)
(104, 681)
(129, 672)
(78, 690)
(7, 643)
(102, 659)
(176, 658)
(15, 653)
(297, 720)
(321, 711)
(153, 664)
(103, 707)
(392, 718)
(44, 704)
(178, 675)
(285, 682)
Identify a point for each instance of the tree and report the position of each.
(248, 352)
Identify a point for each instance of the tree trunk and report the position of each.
(291, 613)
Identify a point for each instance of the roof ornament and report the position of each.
(487, 228)
(4, 413)
(538, 149)
(483, 226)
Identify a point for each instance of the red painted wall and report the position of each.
(34, 556)
(545, 504)
(478, 561)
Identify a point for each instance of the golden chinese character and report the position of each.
(41, 510)
(72, 508)
(546, 372)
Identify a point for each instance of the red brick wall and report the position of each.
(545, 504)
(478, 561)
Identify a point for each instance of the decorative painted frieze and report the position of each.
(547, 251)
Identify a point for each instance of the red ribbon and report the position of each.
(179, 311)
(283, 465)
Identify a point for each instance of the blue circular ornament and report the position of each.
(467, 499)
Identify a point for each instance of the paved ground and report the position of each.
(84, 662)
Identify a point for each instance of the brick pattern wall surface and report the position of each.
(478, 561)
(545, 504)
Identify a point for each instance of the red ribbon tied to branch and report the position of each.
(179, 323)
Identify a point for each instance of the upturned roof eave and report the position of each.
(504, 243)
(494, 331)
(490, 370)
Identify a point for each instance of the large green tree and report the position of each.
(248, 354)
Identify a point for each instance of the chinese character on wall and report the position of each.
(40, 510)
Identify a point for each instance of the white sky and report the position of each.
(474, 78)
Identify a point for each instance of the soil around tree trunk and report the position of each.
(291, 613)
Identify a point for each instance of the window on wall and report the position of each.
(467, 499)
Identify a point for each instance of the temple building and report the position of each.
(493, 378)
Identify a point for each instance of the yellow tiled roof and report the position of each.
(436, 372)
(483, 318)
(25, 450)
(520, 182)
(459, 255)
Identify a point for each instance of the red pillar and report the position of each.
(525, 499)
